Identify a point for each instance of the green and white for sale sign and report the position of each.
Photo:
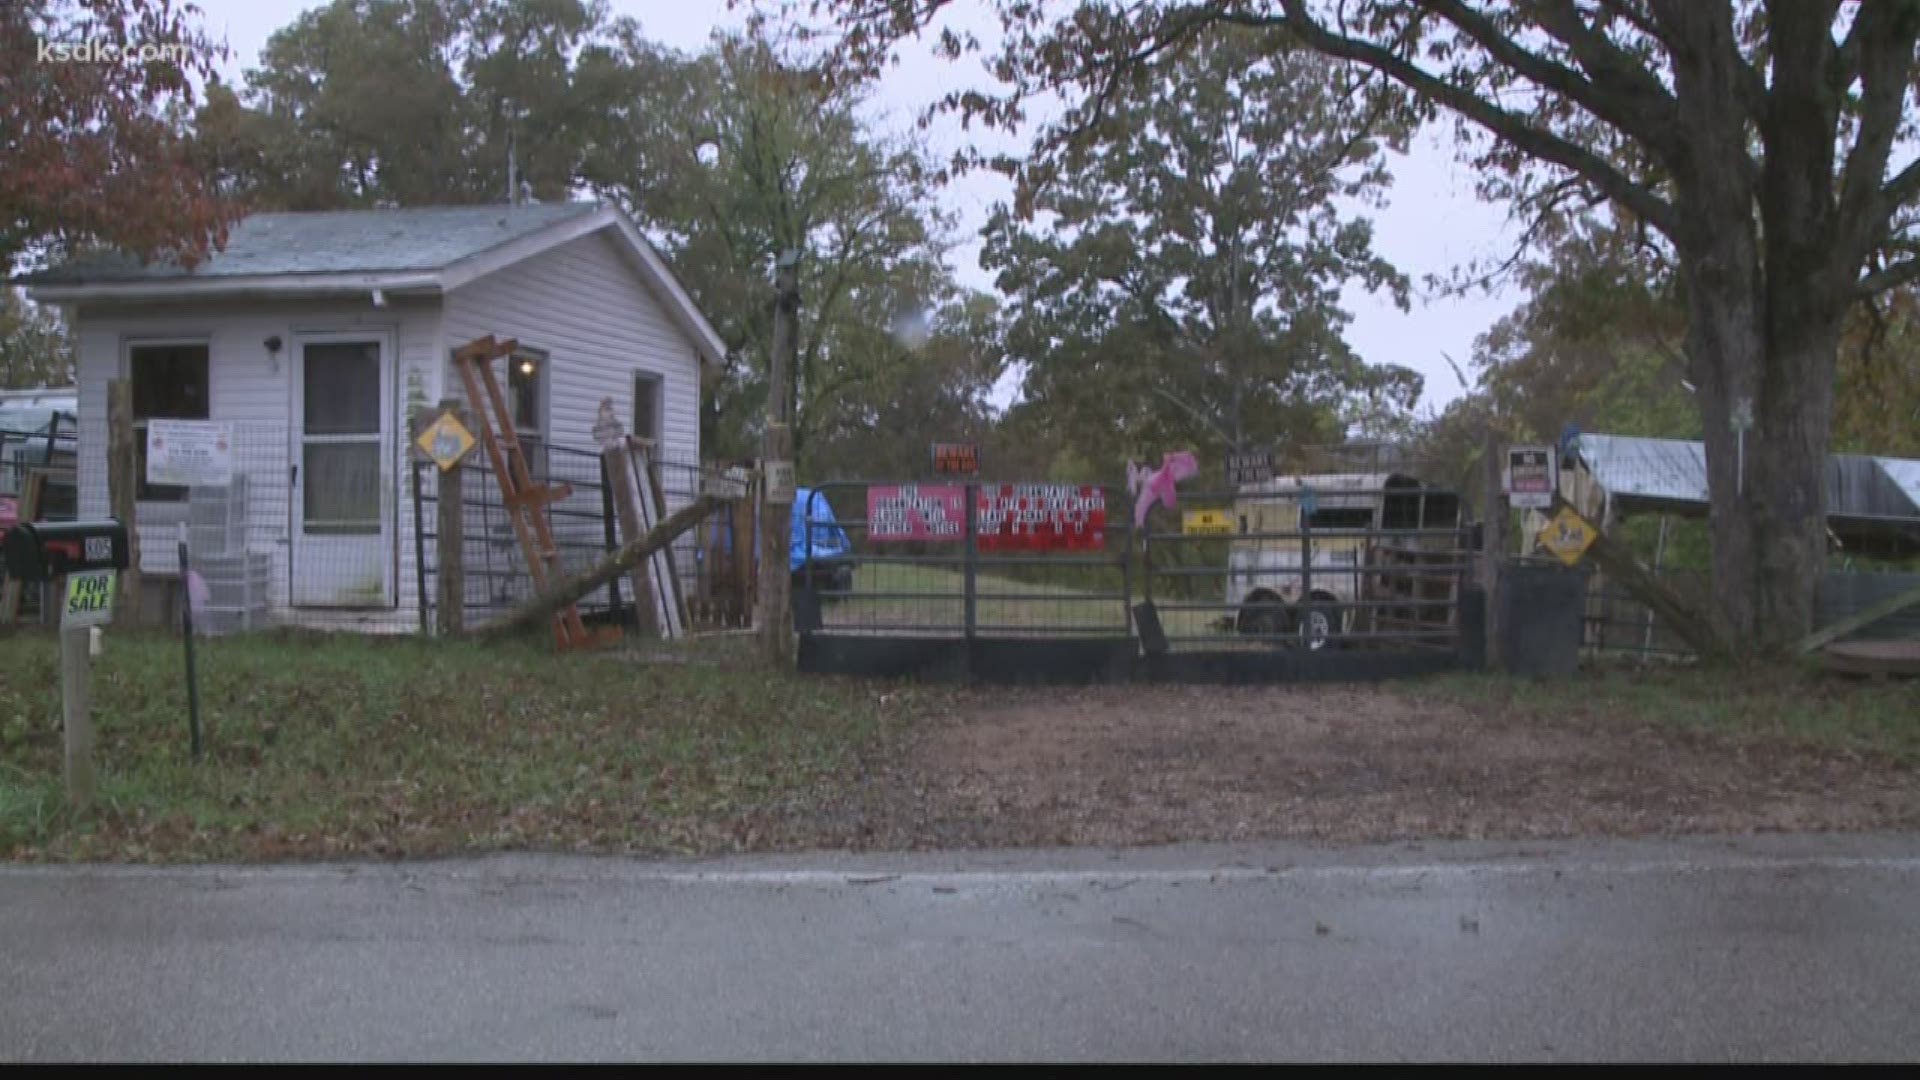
(89, 599)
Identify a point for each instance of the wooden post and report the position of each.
(626, 506)
(76, 714)
(776, 454)
(122, 484)
(742, 601)
(450, 577)
(449, 525)
(1494, 540)
(672, 593)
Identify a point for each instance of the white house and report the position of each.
(315, 333)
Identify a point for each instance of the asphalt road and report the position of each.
(1782, 948)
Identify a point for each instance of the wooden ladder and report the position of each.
(526, 499)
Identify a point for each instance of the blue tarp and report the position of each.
(829, 539)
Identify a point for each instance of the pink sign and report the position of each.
(917, 512)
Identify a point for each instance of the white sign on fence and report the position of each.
(189, 452)
(1531, 477)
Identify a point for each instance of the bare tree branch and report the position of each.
(1904, 272)
(1620, 92)
(1510, 126)
(1889, 32)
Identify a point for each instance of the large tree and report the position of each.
(92, 148)
(1178, 280)
(739, 155)
(1757, 140)
(417, 102)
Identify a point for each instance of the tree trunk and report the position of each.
(1776, 347)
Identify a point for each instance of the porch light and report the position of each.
(526, 365)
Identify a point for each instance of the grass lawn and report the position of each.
(345, 745)
(940, 602)
(1788, 704)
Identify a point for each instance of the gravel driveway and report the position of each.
(1135, 764)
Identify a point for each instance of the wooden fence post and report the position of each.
(620, 476)
(122, 485)
(1494, 540)
(449, 537)
(743, 551)
(449, 525)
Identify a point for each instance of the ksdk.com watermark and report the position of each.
(112, 52)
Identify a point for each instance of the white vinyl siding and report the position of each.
(254, 393)
(582, 305)
(596, 323)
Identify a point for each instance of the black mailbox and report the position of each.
(44, 550)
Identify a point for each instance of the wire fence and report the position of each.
(1651, 496)
(1364, 567)
(1618, 624)
(705, 585)
(964, 559)
(37, 483)
(1347, 562)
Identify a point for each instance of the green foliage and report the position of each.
(1597, 343)
(742, 154)
(418, 102)
(33, 348)
(1176, 281)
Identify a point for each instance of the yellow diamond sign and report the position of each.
(446, 441)
(1568, 535)
(1206, 523)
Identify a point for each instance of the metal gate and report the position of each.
(1340, 576)
(1004, 582)
(1329, 578)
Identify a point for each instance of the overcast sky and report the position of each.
(1432, 224)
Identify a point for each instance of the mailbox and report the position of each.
(44, 550)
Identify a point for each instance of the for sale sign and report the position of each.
(916, 512)
(189, 452)
(89, 599)
(1530, 477)
(1041, 517)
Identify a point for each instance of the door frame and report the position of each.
(389, 539)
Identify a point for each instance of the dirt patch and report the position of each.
(1126, 765)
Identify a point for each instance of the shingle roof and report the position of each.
(337, 241)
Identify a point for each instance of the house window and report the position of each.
(526, 396)
(646, 407)
(170, 382)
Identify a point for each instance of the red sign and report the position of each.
(1041, 517)
(916, 512)
(955, 458)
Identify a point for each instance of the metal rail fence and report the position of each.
(585, 531)
(984, 576)
(1354, 567)
(936, 579)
